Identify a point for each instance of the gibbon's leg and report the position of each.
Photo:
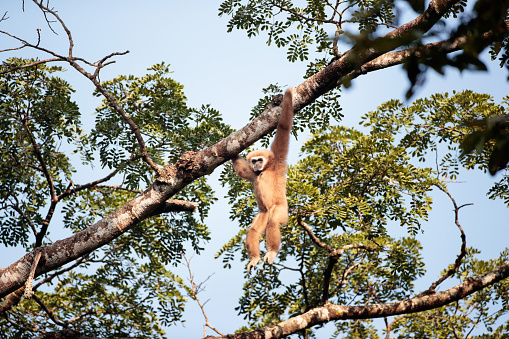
(278, 217)
(253, 239)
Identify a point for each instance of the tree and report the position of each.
(343, 193)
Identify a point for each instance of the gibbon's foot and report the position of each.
(252, 264)
(269, 257)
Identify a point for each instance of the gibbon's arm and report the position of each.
(282, 139)
(242, 168)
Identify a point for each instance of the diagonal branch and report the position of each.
(190, 166)
(360, 54)
(425, 51)
(193, 165)
(92, 77)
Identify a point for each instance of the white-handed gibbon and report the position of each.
(266, 170)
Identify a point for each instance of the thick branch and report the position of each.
(193, 165)
(176, 206)
(425, 51)
(12, 299)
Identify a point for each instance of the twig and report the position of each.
(195, 289)
(57, 273)
(463, 250)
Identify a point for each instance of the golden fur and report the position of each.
(269, 187)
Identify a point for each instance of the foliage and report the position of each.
(38, 117)
(125, 289)
(298, 28)
(445, 119)
(353, 188)
(327, 26)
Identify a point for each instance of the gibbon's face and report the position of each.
(257, 163)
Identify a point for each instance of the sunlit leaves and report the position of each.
(349, 187)
(157, 104)
(302, 27)
(352, 188)
(439, 119)
(39, 122)
(124, 289)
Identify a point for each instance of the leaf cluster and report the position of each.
(352, 189)
(123, 289)
(38, 120)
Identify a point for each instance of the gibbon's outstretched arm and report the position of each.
(281, 141)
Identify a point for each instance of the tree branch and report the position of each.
(195, 289)
(360, 54)
(463, 250)
(425, 51)
(176, 206)
(330, 312)
(334, 255)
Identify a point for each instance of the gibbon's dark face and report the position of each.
(257, 164)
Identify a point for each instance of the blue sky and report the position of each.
(228, 71)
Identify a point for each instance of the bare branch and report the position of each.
(176, 206)
(463, 250)
(45, 10)
(92, 77)
(4, 17)
(195, 289)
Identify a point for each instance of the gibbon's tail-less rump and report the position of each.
(266, 170)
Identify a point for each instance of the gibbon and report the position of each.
(266, 170)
